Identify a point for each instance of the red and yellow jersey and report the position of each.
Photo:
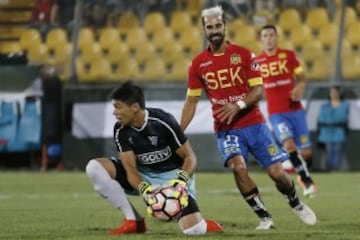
(226, 77)
(278, 73)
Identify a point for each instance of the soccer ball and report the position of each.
(167, 204)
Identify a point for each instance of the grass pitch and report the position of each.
(64, 206)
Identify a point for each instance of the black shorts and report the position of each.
(121, 176)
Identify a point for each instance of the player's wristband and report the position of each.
(143, 186)
(241, 104)
(183, 175)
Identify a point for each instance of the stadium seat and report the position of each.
(191, 41)
(234, 26)
(245, 35)
(15, 4)
(117, 53)
(350, 16)
(154, 23)
(90, 51)
(15, 17)
(108, 37)
(60, 54)
(321, 69)
(328, 35)
(171, 53)
(37, 54)
(179, 70)
(289, 19)
(16, 31)
(194, 7)
(124, 69)
(311, 50)
(166, 37)
(353, 36)
(316, 18)
(29, 38)
(55, 37)
(179, 21)
(345, 49)
(284, 43)
(10, 47)
(300, 35)
(135, 37)
(94, 70)
(101, 69)
(351, 67)
(145, 52)
(86, 36)
(83, 70)
(4, 31)
(128, 21)
(262, 17)
(154, 70)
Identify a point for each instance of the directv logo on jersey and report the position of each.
(155, 157)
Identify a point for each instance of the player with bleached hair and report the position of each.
(284, 86)
(231, 79)
(153, 151)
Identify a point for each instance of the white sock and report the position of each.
(197, 229)
(109, 188)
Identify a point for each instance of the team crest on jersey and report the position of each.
(272, 150)
(282, 55)
(153, 140)
(235, 59)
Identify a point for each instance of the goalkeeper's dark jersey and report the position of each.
(154, 143)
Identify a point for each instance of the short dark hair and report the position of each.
(129, 94)
(269, 26)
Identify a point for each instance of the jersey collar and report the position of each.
(145, 122)
(270, 55)
(219, 54)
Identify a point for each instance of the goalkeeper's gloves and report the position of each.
(181, 181)
(147, 192)
(180, 185)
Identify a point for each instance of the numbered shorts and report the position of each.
(291, 125)
(256, 139)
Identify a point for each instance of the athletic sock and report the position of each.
(197, 229)
(255, 202)
(110, 190)
(301, 168)
(290, 194)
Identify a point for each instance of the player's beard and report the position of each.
(218, 41)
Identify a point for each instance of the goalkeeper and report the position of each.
(153, 151)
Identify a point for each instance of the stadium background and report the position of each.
(153, 46)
